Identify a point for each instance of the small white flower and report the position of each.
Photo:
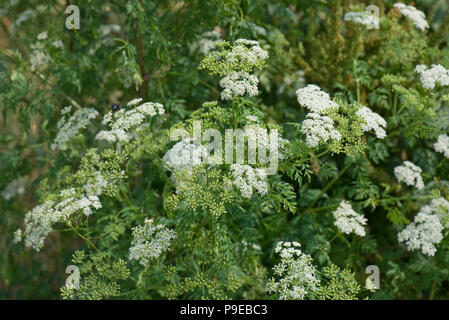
(134, 102)
(418, 17)
(348, 221)
(39, 220)
(68, 128)
(18, 236)
(316, 100)
(248, 52)
(123, 121)
(435, 75)
(42, 35)
(247, 179)
(150, 241)
(424, 233)
(207, 42)
(238, 84)
(319, 129)
(295, 273)
(410, 174)
(14, 188)
(364, 18)
(373, 122)
(442, 145)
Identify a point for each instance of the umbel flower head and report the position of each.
(39, 221)
(442, 145)
(319, 129)
(150, 241)
(70, 127)
(206, 43)
(431, 76)
(418, 17)
(316, 100)
(243, 55)
(247, 179)
(237, 84)
(425, 232)
(363, 18)
(410, 174)
(295, 273)
(123, 121)
(348, 221)
(373, 121)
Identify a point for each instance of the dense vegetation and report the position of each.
(91, 177)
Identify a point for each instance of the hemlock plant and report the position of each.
(106, 165)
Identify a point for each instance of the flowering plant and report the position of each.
(273, 151)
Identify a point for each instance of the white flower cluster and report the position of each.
(362, 18)
(248, 52)
(122, 121)
(247, 179)
(430, 77)
(316, 100)
(373, 121)
(418, 17)
(237, 84)
(425, 232)
(319, 129)
(39, 221)
(207, 42)
(69, 127)
(182, 157)
(348, 221)
(39, 57)
(296, 273)
(442, 145)
(14, 188)
(440, 207)
(410, 174)
(150, 241)
(97, 183)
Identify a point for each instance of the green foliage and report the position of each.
(164, 51)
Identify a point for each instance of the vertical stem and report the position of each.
(330, 184)
(141, 61)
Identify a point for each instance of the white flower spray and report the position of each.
(425, 232)
(418, 17)
(430, 77)
(295, 272)
(373, 121)
(442, 145)
(123, 121)
(68, 127)
(410, 174)
(348, 221)
(150, 241)
(247, 179)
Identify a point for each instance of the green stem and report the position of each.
(86, 239)
(329, 185)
